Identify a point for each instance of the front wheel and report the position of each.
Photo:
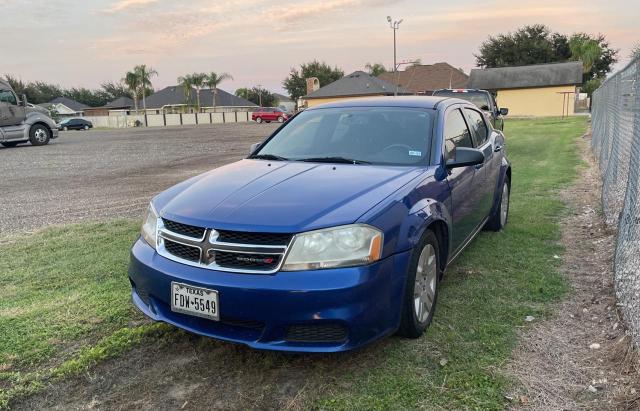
(86, 128)
(280, 119)
(39, 135)
(499, 219)
(421, 289)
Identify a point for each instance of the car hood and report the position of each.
(258, 195)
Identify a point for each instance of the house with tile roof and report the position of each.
(424, 79)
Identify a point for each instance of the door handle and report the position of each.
(497, 148)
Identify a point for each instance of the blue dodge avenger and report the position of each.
(332, 233)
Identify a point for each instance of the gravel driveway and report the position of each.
(102, 174)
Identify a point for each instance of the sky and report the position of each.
(85, 43)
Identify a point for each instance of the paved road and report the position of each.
(103, 174)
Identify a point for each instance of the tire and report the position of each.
(86, 128)
(499, 219)
(267, 121)
(259, 120)
(10, 144)
(424, 272)
(280, 119)
(39, 135)
(65, 128)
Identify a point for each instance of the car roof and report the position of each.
(428, 102)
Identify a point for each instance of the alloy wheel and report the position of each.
(424, 291)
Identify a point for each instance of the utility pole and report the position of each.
(260, 94)
(395, 25)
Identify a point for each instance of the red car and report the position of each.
(269, 114)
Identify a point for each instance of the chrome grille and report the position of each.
(184, 229)
(224, 250)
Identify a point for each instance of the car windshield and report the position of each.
(478, 98)
(376, 135)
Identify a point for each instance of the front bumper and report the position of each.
(262, 310)
(54, 133)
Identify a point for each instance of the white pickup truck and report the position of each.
(19, 123)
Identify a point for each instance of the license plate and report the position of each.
(196, 301)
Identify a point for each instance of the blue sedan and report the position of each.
(334, 232)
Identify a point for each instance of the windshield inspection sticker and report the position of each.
(415, 153)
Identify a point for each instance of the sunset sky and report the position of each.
(85, 43)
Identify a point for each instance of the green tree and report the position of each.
(186, 82)
(116, 90)
(212, 80)
(586, 50)
(198, 81)
(144, 74)
(375, 69)
(130, 80)
(296, 82)
(258, 95)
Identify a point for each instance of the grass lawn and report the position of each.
(65, 299)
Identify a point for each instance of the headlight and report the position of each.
(344, 246)
(150, 226)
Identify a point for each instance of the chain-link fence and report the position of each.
(616, 146)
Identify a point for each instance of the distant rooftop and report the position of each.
(426, 78)
(537, 75)
(357, 83)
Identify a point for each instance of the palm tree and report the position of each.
(131, 81)
(144, 74)
(186, 82)
(198, 80)
(212, 80)
(586, 50)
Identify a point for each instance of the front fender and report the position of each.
(36, 117)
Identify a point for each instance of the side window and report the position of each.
(6, 96)
(478, 126)
(456, 134)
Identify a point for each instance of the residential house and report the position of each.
(120, 105)
(424, 79)
(66, 107)
(285, 103)
(355, 85)
(535, 90)
(173, 99)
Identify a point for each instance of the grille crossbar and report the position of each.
(223, 250)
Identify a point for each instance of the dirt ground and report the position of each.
(581, 358)
(102, 174)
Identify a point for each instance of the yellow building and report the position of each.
(536, 90)
(355, 85)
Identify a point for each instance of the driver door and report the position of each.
(11, 113)
(465, 183)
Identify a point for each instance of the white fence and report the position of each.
(161, 120)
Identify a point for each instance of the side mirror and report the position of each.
(465, 156)
(254, 147)
(504, 111)
(23, 102)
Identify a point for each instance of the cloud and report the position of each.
(122, 5)
(304, 11)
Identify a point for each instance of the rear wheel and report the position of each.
(421, 289)
(499, 219)
(259, 120)
(39, 135)
(10, 144)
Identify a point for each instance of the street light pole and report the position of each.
(395, 25)
(260, 93)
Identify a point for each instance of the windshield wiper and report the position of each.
(269, 157)
(340, 160)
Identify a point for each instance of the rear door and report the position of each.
(465, 182)
(488, 173)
